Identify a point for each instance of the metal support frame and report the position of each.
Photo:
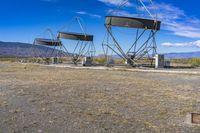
(134, 53)
(138, 50)
(58, 49)
(84, 46)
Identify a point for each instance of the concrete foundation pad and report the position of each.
(123, 68)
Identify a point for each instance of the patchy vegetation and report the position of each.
(100, 60)
(47, 99)
(195, 62)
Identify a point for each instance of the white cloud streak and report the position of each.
(115, 2)
(189, 44)
(120, 13)
(89, 14)
(173, 18)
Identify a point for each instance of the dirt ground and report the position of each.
(39, 99)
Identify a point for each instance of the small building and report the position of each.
(87, 61)
(159, 61)
(55, 60)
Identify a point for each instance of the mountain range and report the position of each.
(25, 50)
(184, 55)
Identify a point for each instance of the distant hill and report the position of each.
(172, 55)
(183, 55)
(24, 50)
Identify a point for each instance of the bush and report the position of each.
(9, 59)
(100, 60)
(195, 62)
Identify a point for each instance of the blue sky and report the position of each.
(23, 20)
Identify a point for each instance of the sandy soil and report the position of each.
(48, 100)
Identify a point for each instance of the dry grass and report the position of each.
(46, 99)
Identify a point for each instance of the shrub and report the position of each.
(195, 62)
(100, 60)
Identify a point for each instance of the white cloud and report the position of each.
(116, 2)
(189, 44)
(173, 18)
(89, 14)
(119, 13)
(81, 12)
(167, 12)
(185, 29)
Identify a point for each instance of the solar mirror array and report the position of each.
(81, 44)
(142, 38)
(143, 45)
